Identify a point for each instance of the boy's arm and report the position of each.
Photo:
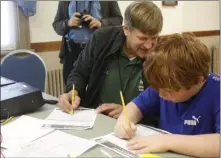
(134, 114)
(146, 104)
(143, 105)
(124, 129)
(205, 145)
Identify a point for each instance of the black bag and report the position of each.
(19, 98)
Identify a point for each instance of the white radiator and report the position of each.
(55, 84)
(216, 60)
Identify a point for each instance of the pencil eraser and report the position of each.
(149, 156)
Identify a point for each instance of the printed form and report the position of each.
(56, 144)
(22, 131)
(83, 118)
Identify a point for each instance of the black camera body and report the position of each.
(82, 21)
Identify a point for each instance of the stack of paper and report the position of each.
(22, 131)
(119, 145)
(82, 118)
(56, 144)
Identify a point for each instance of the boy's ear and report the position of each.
(201, 80)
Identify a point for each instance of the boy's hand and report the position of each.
(154, 143)
(125, 130)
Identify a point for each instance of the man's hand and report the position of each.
(113, 110)
(94, 23)
(148, 144)
(64, 101)
(74, 21)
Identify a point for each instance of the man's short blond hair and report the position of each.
(144, 16)
(177, 62)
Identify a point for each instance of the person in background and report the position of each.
(75, 21)
(112, 61)
(183, 94)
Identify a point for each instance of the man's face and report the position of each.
(139, 43)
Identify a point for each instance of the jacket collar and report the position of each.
(118, 41)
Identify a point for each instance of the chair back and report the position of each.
(28, 67)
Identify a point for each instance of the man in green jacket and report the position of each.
(112, 62)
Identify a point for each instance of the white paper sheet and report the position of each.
(55, 144)
(22, 131)
(119, 145)
(81, 119)
(148, 130)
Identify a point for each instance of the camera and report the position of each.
(82, 22)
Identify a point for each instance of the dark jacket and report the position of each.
(111, 16)
(89, 70)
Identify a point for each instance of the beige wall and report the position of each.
(51, 59)
(211, 41)
(186, 16)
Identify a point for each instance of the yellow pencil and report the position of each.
(124, 107)
(72, 99)
(6, 121)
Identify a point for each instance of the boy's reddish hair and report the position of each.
(177, 62)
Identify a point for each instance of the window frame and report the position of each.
(23, 31)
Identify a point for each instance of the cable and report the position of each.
(2, 115)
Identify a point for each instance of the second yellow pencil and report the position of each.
(72, 99)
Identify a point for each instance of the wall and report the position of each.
(51, 59)
(168, 15)
(203, 15)
(41, 23)
(186, 16)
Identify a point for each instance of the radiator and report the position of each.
(55, 84)
(215, 60)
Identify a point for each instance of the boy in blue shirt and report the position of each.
(183, 94)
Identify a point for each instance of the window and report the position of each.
(9, 25)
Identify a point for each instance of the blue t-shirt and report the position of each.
(198, 115)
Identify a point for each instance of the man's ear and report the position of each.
(126, 30)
